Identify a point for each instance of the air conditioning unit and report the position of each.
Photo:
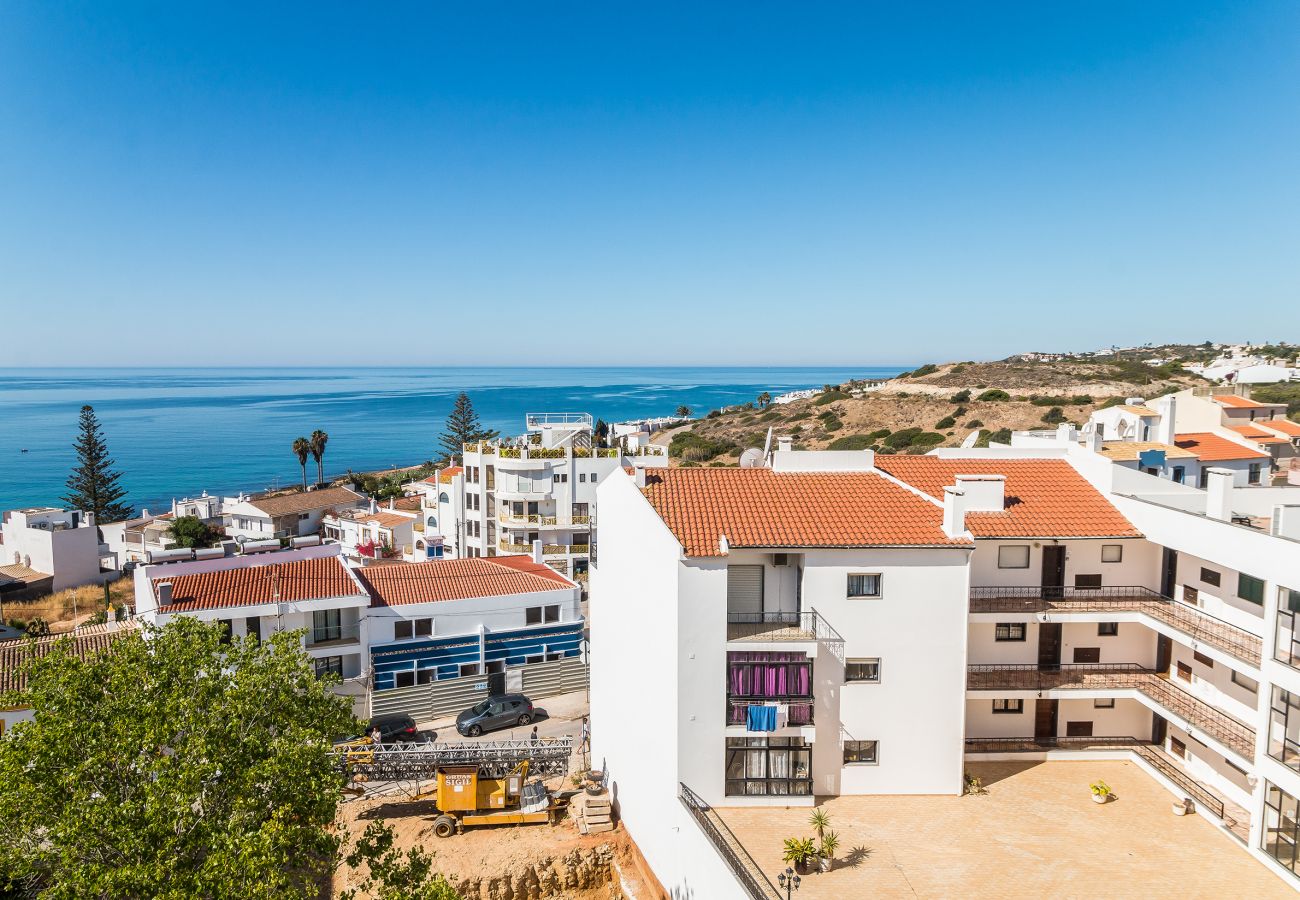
(780, 559)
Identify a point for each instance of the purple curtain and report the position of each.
(769, 674)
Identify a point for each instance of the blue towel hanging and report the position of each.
(760, 718)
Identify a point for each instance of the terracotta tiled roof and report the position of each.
(1286, 426)
(85, 643)
(289, 504)
(1256, 434)
(385, 519)
(1212, 448)
(410, 504)
(762, 508)
(1044, 497)
(19, 572)
(1236, 402)
(285, 582)
(447, 474)
(457, 579)
(1133, 449)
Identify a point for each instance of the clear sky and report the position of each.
(546, 183)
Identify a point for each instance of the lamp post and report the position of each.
(789, 882)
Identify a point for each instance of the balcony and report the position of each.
(333, 635)
(1182, 617)
(547, 549)
(800, 708)
(520, 520)
(1105, 677)
(780, 626)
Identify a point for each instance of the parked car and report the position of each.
(393, 729)
(503, 711)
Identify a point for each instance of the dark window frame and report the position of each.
(863, 661)
(1107, 629)
(862, 753)
(1282, 706)
(1007, 708)
(1250, 588)
(998, 632)
(1212, 577)
(795, 750)
(879, 586)
(1282, 823)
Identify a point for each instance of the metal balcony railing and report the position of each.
(1183, 617)
(1229, 732)
(330, 635)
(800, 708)
(732, 852)
(780, 626)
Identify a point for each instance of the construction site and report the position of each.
(503, 820)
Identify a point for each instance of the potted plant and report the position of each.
(820, 821)
(830, 842)
(1183, 807)
(801, 852)
(1100, 791)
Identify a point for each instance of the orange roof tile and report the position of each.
(1212, 448)
(447, 474)
(1236, 402)
(1286, 426)
(457, 579)
(386, 519)
(1258, 435)
(285, 582)
(762, 508)
(84, 643)
(1044, 497)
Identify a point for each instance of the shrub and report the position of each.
(829, 396)
(713, 414)
(769, 416)
(1001, 436)
(992, 395)
(1054, 416)
(1113, 401)
(927, 369)
(798, 429)
(1081, 399)
(692, 447)
(851, 442)
(974, 423)
(927, 439)
(958, 369)
(830, 423)
(802, 414)
(879, 434)
(903, 438)
(959, 412)
(945, 422)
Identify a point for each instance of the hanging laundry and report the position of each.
(760, 718)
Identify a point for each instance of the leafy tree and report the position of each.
(175, 766)
(764, 399)
(1054, 416)
(93, 485)
(302, 450)
(684, 412)
(394, 875)
(318, 440)
(601, 433)
(191, 531)
(462, 427)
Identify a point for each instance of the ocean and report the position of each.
(179, 432)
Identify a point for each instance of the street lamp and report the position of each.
(789, 881)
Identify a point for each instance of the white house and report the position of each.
(286, 515)
(374, 533)
(63, 544)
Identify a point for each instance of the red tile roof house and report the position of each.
(808, 628)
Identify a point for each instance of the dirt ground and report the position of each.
(67, 609)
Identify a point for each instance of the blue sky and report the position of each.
(643, 184)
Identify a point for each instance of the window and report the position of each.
(1191, 595)
(403, 679)
(1103, 703)
(1112, 553)
(253, 627)
(1087, 654)
(1242, 681)
(1009, 631)
(1087, 582)
(561, 479)
(402, 629)
(1014, 707)
(329, 665)
(865, 670)
(1282, 827)
(582, 478)
(1179, 475)
(1015, 556)
(225, 629)
(1177, 748)
(423, 627)
(1250, 588)
(1284, 728)
(861, 753)
(1202, 659)
(1108, 629)
(468, 669)
(302, 517)
(536, 615)
(864, 585)
(1209, 576)
(326, 625)
(1078, 729)
(1252, 475)
(1287, 646)
(426, 676)
(1184, 671)
(768, 767)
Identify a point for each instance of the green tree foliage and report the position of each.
(392, 874)
(691, 447)
(1054, 416)
(927, 369)
(852, 442)
(302, 450)
(994, 395)
(177, 765)
(764, 399)
(318, 440)
(1285, 392)
(945, 422)
(462, 427)
(829, 396)
(960, 397)
(94, 485)
(191, 531)
(683, 412)
(1113, 401)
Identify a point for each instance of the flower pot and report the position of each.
(803, 868)
(1100, 798)
(1180, 809)
(825, 863)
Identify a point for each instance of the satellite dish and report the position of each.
(752, 458)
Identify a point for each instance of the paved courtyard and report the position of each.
(1036, 833)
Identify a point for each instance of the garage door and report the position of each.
(744, 589)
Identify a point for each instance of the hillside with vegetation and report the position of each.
(935, 405)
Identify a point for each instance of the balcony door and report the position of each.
(745, 591)
(326, 625)
(1053, 572)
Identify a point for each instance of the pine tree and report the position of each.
(93, 485)
(462, 428)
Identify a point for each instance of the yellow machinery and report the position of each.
(465, 798)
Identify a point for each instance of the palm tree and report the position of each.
(318, 441)
(302, 450)
(764, 399)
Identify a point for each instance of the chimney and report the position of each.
(537, 552)
(164, 591)
(1167, 407)
(1286, 521)
(785, 444)
(1095, 440)
(374, 507)
(638, 476)
(1218, 494)
(954, 512)
(983, 493)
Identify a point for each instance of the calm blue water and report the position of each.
(177, 432)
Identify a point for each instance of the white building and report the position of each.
(511, 494)
(62, 544)
(374, 533)
(289, 515)
(1032, 602)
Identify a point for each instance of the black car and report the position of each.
(393, 729)
(503, 711)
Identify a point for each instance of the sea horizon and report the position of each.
(177, 431)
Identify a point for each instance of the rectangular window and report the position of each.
(1179, 474)
(226, 625)
(253, 627)
(1281, 838)
(1191, 595)
(1252, 476)
(403, 679)
(864, 585)
(1242, 681)
(1177, 748)
(1103, 703)
(1009, 631)
(329, 665)
(1108, 629)
(1284, 728)
(1112, 553)
(861, 753)
(468, 669)
(402, 629)
(1202, 659)
(1250, 588)
(1078, 729)
(862, 670)
(1209, 576)
(551, 613)
(1184, 671)
(1012, 707)
(1015, 556)
(1087, 654)
(768, 767)
(423, 627)
(533, 615)
(1287, 647)
(582, 478)
(1087, 582)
